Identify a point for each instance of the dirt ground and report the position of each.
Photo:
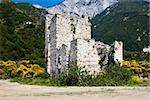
(15, 91)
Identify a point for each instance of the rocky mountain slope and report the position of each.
(125, 21)
(22, 28)
(81, 7)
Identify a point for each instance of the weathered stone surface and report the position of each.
(68, 39)
(103, 52)
(118, 52)
(60, 31)
(86, 54)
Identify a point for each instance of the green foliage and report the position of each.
(19, 40)
(136, 80)
(37, 81)
(118, 74)
(70, 76)
(139, 56)
(114, 75)
(124, 21)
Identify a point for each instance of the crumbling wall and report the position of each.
(85, 54)
(68, 38)
(59, 32)
(82, 28)
(103, 52)
(49, 30)
(118, 52)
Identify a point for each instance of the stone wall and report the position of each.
(118, 52)
(68, 39)
(85, 53)
(48, 33)
(59, 32)
(103, 52)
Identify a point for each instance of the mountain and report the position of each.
(81, 7)
(124, 21)
(22, 28)
(43, 3)
(21, 32)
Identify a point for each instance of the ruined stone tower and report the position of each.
(67, 39)
(60, 31)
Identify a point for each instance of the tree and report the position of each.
(4, 1)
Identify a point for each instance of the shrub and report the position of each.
(140, 68)
(136, 80)
(7, 68)
(113, 75)
(119, 74)
(70, 76)
(10, 69)
(36, 69)
(22, 70)
(139, 56)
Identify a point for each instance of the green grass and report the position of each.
(37, 81)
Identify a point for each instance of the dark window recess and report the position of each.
(71, 19)
(49, 38)
(74, 30)
(49, 27)
(59, 58)
(82, 16)
(72, 24)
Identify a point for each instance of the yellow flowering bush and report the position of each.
(20, 69)
(140, 68)
(1, 72)
(8, 65)
(36, 69)
(7, 68)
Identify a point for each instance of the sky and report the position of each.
(43, 3)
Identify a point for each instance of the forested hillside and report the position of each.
(22, 29)
(125, 21)
(21, 32)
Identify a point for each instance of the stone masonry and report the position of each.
(67, 39)
(118, 52)
(85, 54)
